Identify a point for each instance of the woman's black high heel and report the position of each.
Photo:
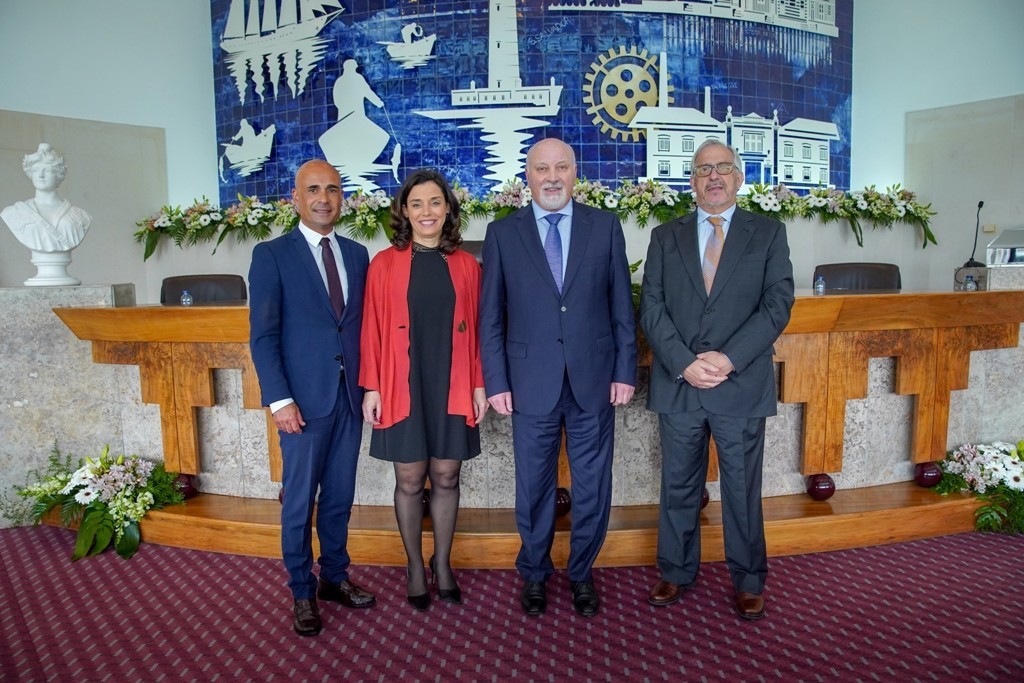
(452, 595)
(422, 601)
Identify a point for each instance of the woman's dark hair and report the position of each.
(401, 228)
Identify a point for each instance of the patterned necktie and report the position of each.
(713, 251)
(553, 248)
(333, 279)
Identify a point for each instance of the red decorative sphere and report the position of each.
(186, 483)
(927, 474)
(820, 486)
(705, 498)
(563, 502)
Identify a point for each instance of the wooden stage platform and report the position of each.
(487, 538)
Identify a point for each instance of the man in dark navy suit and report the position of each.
(717, 293)
(306, 309)
(558, 344)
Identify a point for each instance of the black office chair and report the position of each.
(861, 276)
(203, 288)
(474, 248)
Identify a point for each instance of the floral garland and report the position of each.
(367, 215)
(106, 496)
(995, 472)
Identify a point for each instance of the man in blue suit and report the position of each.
(717, 293)
(306, 310)
(558, 344)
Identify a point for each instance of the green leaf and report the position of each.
(87, 532)
(152, 240)
(129, 542)
(104, 534)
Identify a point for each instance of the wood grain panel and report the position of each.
(952, 367)
(804, 360)
(156, 378)
(159, 323)
(849, 352)
(488, 538)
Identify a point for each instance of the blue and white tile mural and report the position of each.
(381, 88)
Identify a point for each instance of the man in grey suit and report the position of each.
(717, 293)
(558, 345)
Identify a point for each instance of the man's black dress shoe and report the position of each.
(347, 593)
(534, 598)
(307, 618)
(584, 598)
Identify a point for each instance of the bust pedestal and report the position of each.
(51, 269)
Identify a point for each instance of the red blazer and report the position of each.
(384, 344)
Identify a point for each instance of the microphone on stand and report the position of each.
(971, 262)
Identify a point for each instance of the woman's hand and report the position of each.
(371, 407)
(479, 404)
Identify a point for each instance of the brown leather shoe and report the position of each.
(750, 606)
(347, 593)
(665, 593)
(307, 618)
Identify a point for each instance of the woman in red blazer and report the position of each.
(421, 370)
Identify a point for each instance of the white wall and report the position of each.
(910, 55)
(149, 63)
(141, 62)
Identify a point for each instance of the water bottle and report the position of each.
(186, 298)
(819, 285)
(969, 284)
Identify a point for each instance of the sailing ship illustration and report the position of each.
(295, 22)
(415, 48)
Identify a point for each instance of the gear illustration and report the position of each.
(619, 83)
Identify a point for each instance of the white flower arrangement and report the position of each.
(368, 214)
(996, 473)
(107, 496)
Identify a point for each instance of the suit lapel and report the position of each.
(530, 237)
(688, 245)
(579, 235)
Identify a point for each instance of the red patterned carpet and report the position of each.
(945, 609)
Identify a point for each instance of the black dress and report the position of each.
(429, 431)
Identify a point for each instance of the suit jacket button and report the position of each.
(340, 328)
(563, 309)
(705, 344)
(707, 310)
(337, 358)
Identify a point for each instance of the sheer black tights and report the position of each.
(410, 479)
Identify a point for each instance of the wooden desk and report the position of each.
(177, 348)
(825, 349)
(823, 354)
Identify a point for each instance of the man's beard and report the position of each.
(552, 203)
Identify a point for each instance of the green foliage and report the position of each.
(1003, 511)
(105, 496)
(21, 509)
(635, 286)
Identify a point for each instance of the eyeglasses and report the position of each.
(704, 170)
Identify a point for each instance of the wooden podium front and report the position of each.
(823, 357)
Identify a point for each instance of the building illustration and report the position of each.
(796, 153)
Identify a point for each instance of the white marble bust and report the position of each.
(46, 223)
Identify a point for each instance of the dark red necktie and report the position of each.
(333, 279)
